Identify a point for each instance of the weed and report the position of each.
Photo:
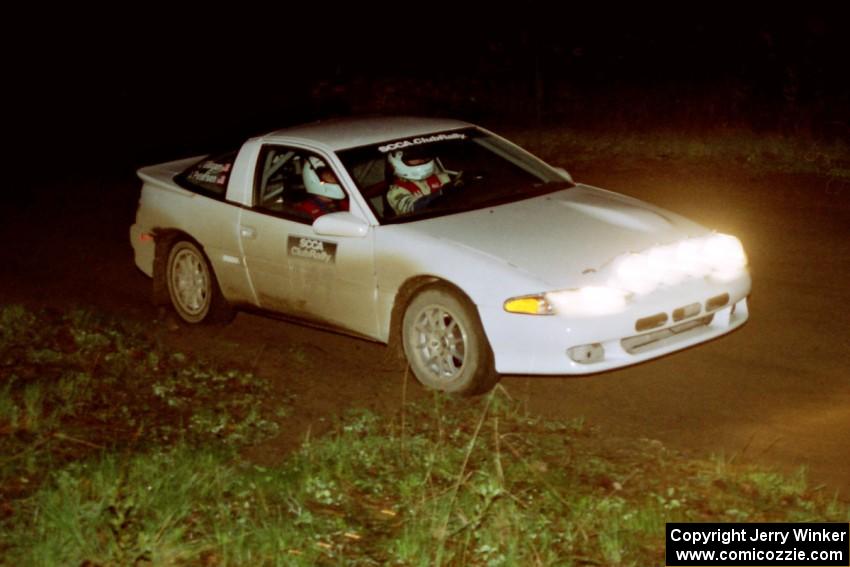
(79, 383)
(9, 412)
(447, 481)
(33, 407)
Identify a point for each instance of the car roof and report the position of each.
(340, 134)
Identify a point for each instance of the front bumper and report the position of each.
(527, 344)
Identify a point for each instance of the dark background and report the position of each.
(139, 84)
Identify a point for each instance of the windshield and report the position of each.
(446, 173)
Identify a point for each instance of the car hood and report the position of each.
(563, 238)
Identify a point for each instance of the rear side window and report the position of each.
(209, 176)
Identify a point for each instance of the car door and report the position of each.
(295, 271)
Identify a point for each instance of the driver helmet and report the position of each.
(414, 164)
(320, 180)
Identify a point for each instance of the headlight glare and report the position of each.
(718, 255)
(589, 301)
(633, 273)
(725, 254)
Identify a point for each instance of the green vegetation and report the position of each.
(734, 148)
(119, 453)
(76, 388)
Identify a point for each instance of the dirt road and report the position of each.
(777, 391)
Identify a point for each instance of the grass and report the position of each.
(73, 385)
(447, 481)
(730, 147)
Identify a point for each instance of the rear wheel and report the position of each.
(192, 286)
(445, 344)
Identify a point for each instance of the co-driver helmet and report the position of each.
(320, 180)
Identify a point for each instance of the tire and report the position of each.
(445, 344)
(192, 286)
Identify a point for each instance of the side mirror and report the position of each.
(340, 224)
(565, 174)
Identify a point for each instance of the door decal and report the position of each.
(311, 249)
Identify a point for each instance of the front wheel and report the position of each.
(445, 344)
(192, 286)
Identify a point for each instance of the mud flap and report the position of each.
(159, 289)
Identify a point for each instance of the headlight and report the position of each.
(725, 255)
(718, 255)
(589, 301)
(583, 302)
(633, 273)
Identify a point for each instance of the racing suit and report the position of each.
(316, 206)
(404, 193)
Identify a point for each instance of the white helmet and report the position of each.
(312, 175)
(405, 170)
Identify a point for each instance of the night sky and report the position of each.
(141, 84)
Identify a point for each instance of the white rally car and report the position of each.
(480, 258)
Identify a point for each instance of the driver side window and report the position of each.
(279, 183)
